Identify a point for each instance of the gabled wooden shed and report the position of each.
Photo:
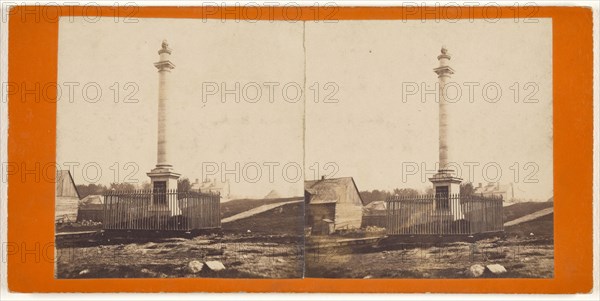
(332, 204)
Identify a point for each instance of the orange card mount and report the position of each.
(33, 62)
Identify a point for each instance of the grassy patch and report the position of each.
(287, 219)
(517, 210)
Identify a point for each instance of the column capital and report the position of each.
(164, 65)
(443, 71)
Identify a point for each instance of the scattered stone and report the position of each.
(146, 271)
(248, 231)
(475, 271)
(496, 269)
(86, 271)
(215, 265)
(368, 277)
(195, 266)
(531, 234)
(214, 252)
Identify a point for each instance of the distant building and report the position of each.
(67, 197)
(332, 204)
(506, 191)
(91, 208)
(374, 214)
(213, 186)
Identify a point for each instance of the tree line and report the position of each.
(382, 195)
(183, 184)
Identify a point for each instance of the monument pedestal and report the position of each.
(447, 194)
(163, 180)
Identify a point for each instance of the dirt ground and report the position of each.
(525, 251)
(270, 245)
(267, 245)
(244, 256)
(522, 259)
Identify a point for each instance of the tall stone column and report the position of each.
(446, 186)
(163, 177)
(444, 73)
(164, 67)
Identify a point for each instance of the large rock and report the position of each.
(496, 269)
(195, 266)
(215, 265)
(148, 272)
(475, 271)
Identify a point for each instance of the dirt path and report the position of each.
(530, 217)
(255, 211)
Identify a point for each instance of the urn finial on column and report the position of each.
(164, 48)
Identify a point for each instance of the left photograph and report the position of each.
(179, 149)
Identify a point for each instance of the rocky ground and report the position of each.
(271, 244)
(266, 245)
(523, 251)
(520, 258)
(226, 256)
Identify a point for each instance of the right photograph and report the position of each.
(429, 153)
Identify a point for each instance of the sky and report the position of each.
(361, 115)
(243, 138)
(386, 137)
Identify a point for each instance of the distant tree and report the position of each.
(121, 186)
(382, 195)
(184, 185)
(91, 189)
(429, 191)
(146, 186)
(373, 196)
(466, 189)
(406, 192)
(365, 196)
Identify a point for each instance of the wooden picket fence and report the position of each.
(169, 210)
(444, 214)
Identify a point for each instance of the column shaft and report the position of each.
(163, 131)
(443, 124)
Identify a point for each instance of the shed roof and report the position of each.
(65, 186)
(327, 191)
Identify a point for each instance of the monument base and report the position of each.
(447, 194)
(163, 178)
(163, 181)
